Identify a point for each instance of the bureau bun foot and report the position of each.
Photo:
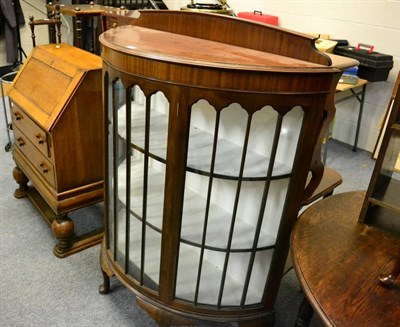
(22, 181)
(63, 229)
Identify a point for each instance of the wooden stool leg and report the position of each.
(305, 314)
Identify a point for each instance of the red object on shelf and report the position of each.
(371, 47)
(260, 17)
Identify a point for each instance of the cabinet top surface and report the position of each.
(176, 48)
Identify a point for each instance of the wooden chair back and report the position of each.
(54, 24)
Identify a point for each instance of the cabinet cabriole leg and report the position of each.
(105, 287)
(63, 228)
(22, 181)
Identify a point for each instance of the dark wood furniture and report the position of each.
(53, 22)
(134, 4)
(86, 23)
(330, 180)
(338, 260)
(211, 132)
(382, 206)
(58, 137)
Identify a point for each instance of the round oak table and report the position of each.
(338, 262)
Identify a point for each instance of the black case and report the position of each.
(373, 66)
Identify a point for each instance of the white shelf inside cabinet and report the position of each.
(192, 221)
(211, 276)
(152, 255)
(187, 271)
(228, 157)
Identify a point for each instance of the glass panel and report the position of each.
(110, 161)
(188, 270)
(261, 138)
(147, 182)
(138, 118)
(201, 135)
(152, 259)
(158, 116)
(159, 125)
(289, 137)
(273, 209)
(232, 129)
(120, 172)
(234, 281)
(231, 217)
(258, 279)
(188, 267)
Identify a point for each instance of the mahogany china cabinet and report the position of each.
(211, 123)
(58, 131)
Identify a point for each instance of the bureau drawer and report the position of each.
(28, 127)
(40, 163)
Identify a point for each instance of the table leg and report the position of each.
(304, 315)
(92, 34)
(361, 101)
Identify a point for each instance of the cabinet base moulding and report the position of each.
(166, 316)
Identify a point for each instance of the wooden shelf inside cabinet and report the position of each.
(387, 195)
(209, 141)
(200, 148)
(57, 123)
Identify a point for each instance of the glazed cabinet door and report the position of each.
(196, 191)
(136, 147)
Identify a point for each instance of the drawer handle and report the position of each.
(40, 138)
(20, 141)
(17, 116)
(45, 170)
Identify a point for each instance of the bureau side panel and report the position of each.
(77, 137)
